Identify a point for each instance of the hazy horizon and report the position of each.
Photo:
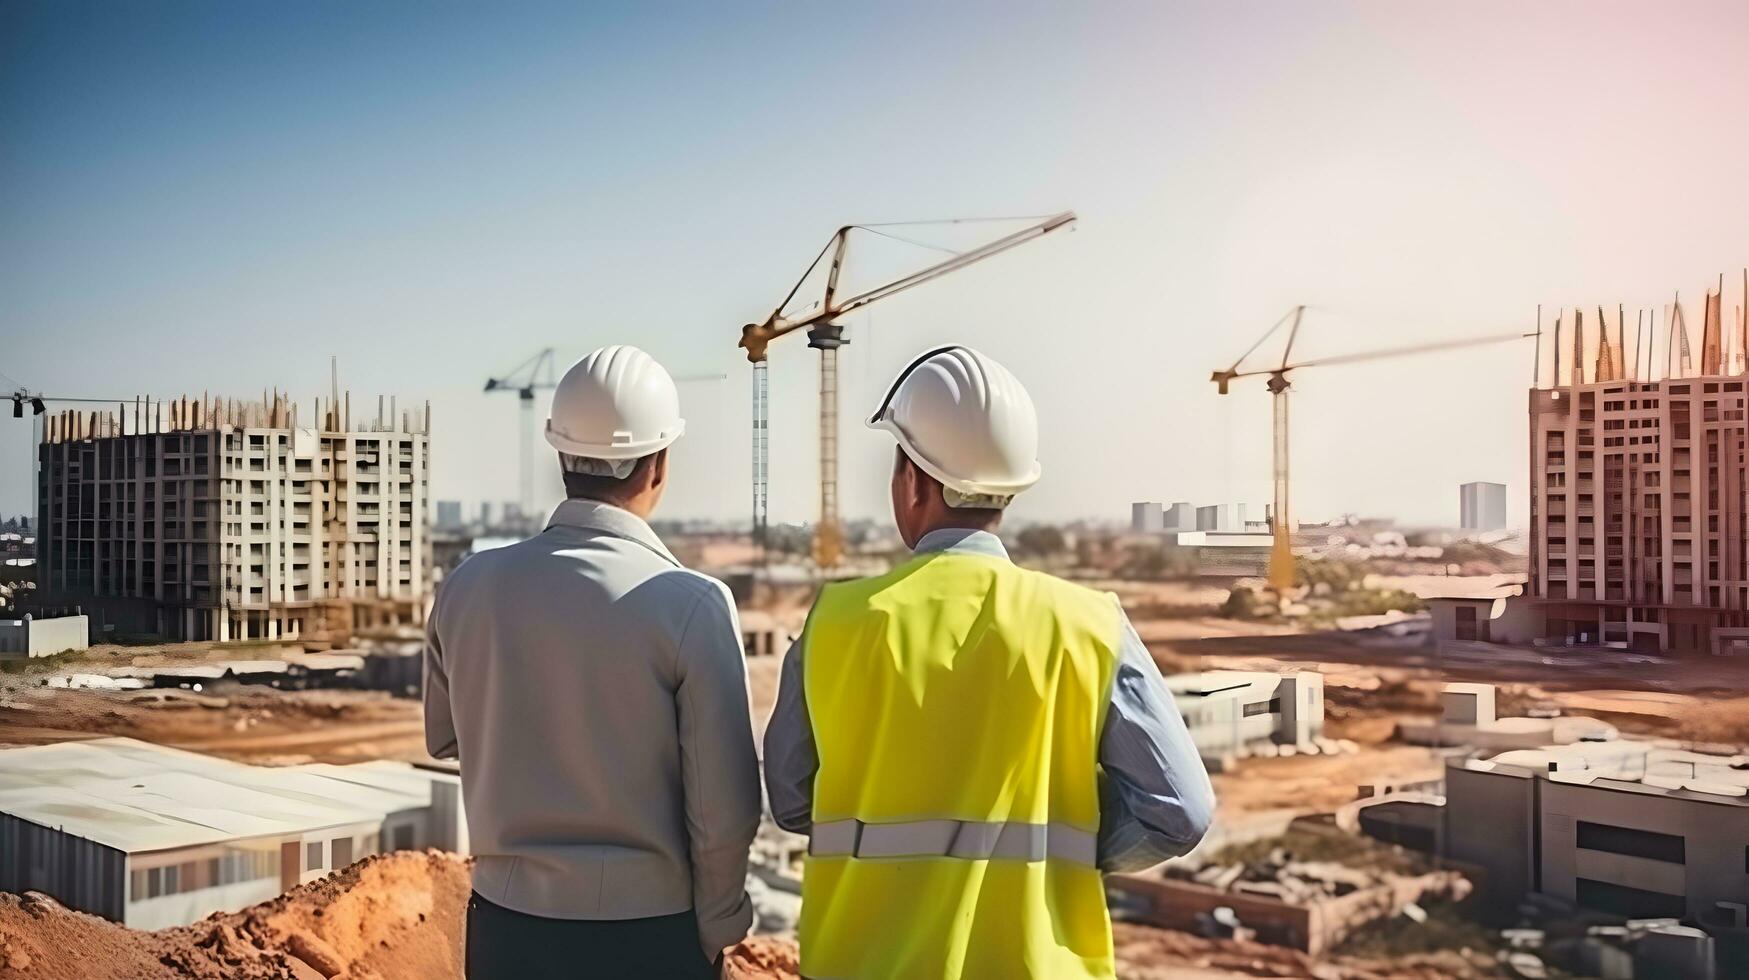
(217, 197)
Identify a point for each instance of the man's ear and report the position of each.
(659, 469)
(916, 483)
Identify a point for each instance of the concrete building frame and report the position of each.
(1637, 514)
(236, 522)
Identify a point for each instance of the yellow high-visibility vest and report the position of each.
(956, 704)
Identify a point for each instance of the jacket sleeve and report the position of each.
(719, 769)
(791, 758)
(1156, 802)
(440, 737)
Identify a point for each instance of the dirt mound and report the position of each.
(391, 917)
(765, 958)
(398, 915)
(42, 940)
(386, 918)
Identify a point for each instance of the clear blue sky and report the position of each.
(217, 196)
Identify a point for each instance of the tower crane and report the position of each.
(1281, 559)
(536, 374)
(826, 335)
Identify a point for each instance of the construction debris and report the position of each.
(1288, 899)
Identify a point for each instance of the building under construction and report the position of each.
(213, 519)
(1638, 503)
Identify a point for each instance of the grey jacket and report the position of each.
(1155, 798)
(595, 693)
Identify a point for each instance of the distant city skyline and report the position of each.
(218, 197)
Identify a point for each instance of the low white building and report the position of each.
(1637, 829)
(1489, 610)
(154, 837)
(1467, 717)
(1214, 554)
(1233, 713)
(32, 637)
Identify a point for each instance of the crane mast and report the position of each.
(1281, 550)
(761, 450)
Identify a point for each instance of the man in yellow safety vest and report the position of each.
(968, 743)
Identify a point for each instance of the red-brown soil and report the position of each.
(385, 918)
(400, 917)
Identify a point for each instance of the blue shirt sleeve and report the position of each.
(1156, 802)
(791, 758)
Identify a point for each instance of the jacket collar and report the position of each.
(961, 541)
(604, 518)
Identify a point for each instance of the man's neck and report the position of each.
(632, 506)
(989, 527)
(962, 525)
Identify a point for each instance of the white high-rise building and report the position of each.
(1482, 506)
(1220, 517)
(1145, 516)
(1181, 516)
(449, 514)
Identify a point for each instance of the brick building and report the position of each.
(219, 520)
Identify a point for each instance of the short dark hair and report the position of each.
(608, 489)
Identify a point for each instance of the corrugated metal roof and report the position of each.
(136, 796)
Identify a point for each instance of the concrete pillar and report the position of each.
(1302, 707)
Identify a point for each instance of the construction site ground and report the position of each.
(400, 916)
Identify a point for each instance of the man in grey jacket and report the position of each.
(595, 693)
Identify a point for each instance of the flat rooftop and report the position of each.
(137, 797)
(1223, 683)
(1505, 585)
(1221, 539)
(1628, 766)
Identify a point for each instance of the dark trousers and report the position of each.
(507, 945)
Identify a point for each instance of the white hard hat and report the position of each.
(616, 403)
(964, 420)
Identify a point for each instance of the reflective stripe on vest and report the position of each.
(972, 840)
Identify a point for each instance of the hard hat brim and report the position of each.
(620, 450)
